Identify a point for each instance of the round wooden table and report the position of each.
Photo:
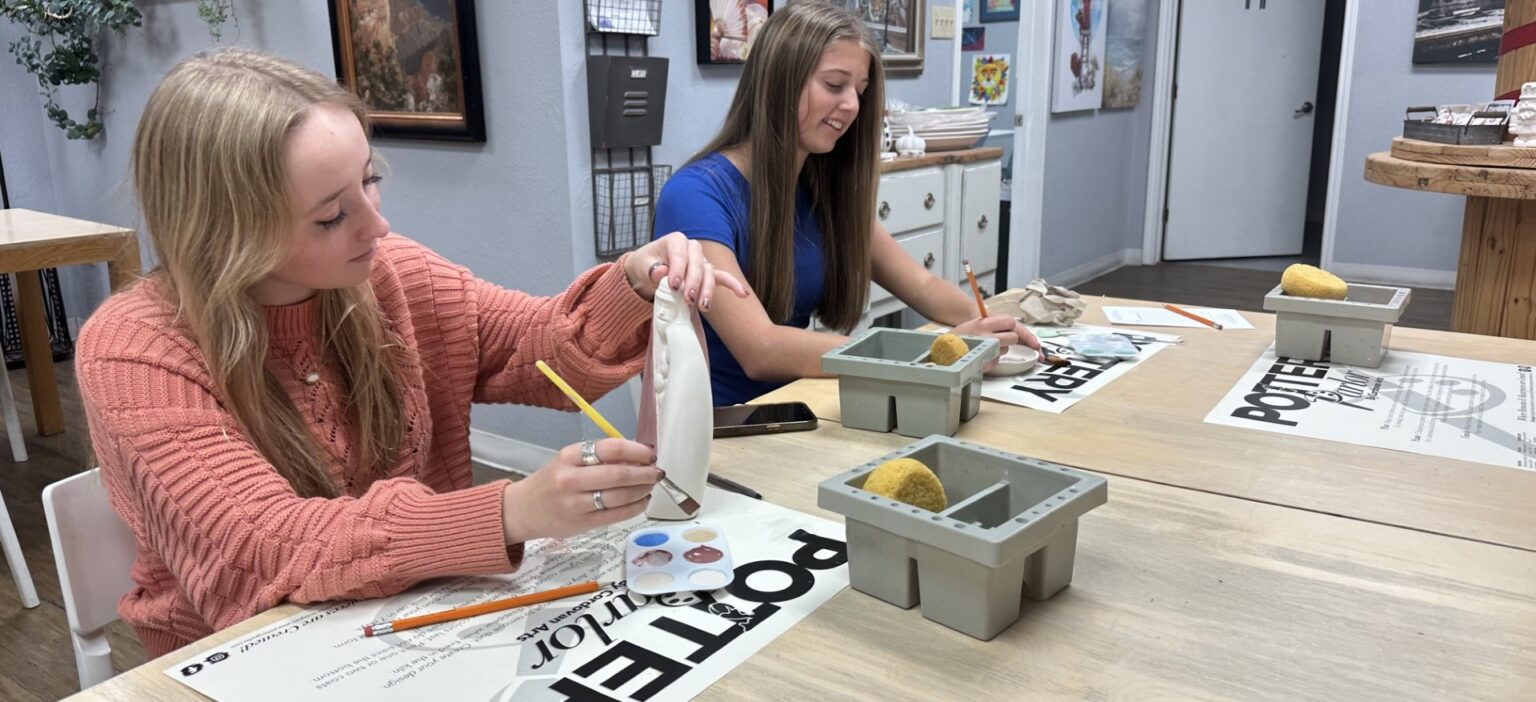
(1496, 277)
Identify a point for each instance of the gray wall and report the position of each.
(1096, 176)
(1383, 226)
(502, 207)
(517, 209)
(1001, 38)
(698, 96)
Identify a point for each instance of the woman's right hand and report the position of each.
(562, 498)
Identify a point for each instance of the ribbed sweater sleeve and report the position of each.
(237, 538)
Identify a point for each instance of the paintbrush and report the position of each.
(678, 495)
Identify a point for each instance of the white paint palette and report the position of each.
(690, 557)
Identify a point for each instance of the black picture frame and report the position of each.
(703, 21)
(990, 15)
(456, 113)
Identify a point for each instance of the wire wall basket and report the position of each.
(624, 202)
(624, 17)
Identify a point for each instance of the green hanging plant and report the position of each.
(60, 49)
(215, 13)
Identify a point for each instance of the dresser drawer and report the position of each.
(979, 234)
(911, 200)
(926, 248)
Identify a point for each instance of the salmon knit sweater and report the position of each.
(221, 536)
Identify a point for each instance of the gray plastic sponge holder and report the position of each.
(885, 382)
(1353, 331)
(1010, 532)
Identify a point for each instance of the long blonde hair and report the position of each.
(764, 117)
(213, 189)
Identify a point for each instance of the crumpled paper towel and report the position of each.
(1040, 303)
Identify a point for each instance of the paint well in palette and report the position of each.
(651, 539)
(678, 558)
(654, 580)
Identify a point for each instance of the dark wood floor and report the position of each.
(37, 663)
(1238, 288)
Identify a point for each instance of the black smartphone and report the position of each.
(744, 420)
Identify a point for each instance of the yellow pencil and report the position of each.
(679, 495)
(570, 392)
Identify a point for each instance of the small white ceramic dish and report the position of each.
(1019, 359)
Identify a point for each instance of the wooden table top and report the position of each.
(1177, 594)
(1479, 181)
(1150, 424)
(941, 158)
(22, 228)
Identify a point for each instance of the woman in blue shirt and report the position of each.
(802, 136)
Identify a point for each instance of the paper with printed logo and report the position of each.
(1057, 388)
(1420, 403)
(611, 643)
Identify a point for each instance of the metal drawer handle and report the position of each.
(885, 209)
(928, 261)
(928, 202)
(982, 223)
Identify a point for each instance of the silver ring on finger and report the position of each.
(597, 500)
(589, 454)
(653, 268)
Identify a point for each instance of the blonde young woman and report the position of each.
(783, 197)
(281, 410)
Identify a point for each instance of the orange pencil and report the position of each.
(456, 613)
(1192, 315)
(982, 306)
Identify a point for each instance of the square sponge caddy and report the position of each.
(1353, 331)
(884, 382)
(1009, 532)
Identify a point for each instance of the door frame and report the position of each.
(1033, 110)
(1162, 131)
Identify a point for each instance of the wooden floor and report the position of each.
(37, 663)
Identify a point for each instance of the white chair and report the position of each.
(14, 557)
(94, 551)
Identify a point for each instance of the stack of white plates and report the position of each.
(943, 129)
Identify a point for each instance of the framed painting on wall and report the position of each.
(727, 28)
(415, 64)
(999, 10)
(1079, 59)
(1122, 53)
(1458, 31)
(898, 29)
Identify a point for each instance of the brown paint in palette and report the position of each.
(664, 559)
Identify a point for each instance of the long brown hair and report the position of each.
(213, 189)
(764, 118)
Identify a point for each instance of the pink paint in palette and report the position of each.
(662, 560)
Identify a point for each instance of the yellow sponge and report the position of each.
(908, 480)
(947, 349)
(1302, 280)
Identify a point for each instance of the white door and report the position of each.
(1245, 86)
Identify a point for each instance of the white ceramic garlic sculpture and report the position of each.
(911, 144)
(677, 414)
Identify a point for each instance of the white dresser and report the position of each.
(942, 208)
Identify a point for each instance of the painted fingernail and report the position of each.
(705, 304)
(677, 282)
(653, 459)
(691, 296)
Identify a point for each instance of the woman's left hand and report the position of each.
(682, 260)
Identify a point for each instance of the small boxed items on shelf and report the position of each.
(1481, 124)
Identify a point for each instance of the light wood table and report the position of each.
(31, 241)
(1178, 594)
(1150, 424)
